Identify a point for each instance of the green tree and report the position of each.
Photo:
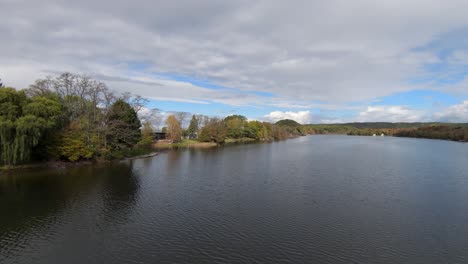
(146, 135)
(192, 130)
(241, 117)
(23, 123)
(123, 130)
(214, 131)
(235, 126)
(254, 130)
(71, 144)
(288, 122)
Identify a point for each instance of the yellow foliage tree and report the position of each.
(174, 129)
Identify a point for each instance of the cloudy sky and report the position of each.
(312, 61)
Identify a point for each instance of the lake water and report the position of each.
(316, 199)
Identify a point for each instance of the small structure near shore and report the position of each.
(159, 135)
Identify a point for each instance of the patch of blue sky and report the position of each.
(192, 80)
(445, 43)
(444, 71)
(419, 99)
(260, 93)
(210, 109)
(441, 73)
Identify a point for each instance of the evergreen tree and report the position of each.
(123, 126)
(192, 130)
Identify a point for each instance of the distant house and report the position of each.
(159, 135)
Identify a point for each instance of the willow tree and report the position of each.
(23, 122)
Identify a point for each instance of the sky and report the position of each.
(312, 61)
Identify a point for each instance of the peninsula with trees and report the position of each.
(73, 118)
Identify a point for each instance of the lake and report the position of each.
(315, 199)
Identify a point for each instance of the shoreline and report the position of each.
(165, 145)
(155, 150)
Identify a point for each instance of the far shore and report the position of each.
(189, 143)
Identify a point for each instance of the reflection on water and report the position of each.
(35, 203)
(319, 199)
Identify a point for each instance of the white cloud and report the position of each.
(302, 117)
(390, 114)
(333, 51)
(455, 113)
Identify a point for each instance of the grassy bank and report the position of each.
(186, 143)
(190, 143)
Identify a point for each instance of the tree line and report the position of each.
(447, 131)
(68, 117)
(71, 117)
(233, 127)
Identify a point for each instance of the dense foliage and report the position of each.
(232, 128)
(24, 122)
(69, 117)
(288, 122)
(237, 127)
(454, 132)
(123, 126)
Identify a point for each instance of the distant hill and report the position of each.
(388, 125)
(287, 122)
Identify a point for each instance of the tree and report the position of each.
(135, 101)
(241, 117)
(192, 130)
(146, 135)
(181, 117)
(254, 129)
(174, 129)
(287, 122)
(202, 120)
(235, 126)
(84, 100)
(71, 144)
(214, 131)
(23, 123)
(123, 126)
